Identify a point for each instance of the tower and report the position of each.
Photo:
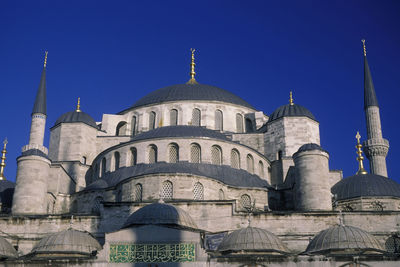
(375, 147)
(33, 166)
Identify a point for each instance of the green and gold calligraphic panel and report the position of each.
(152, 253)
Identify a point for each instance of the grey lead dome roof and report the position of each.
(75, 116)
(161, 214)
(311, 146)
(343, 239)
(252, 239)
(291, 111)
(196, 91)
(362, 185)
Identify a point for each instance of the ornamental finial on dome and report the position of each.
(45, 59)
(192, 72)
(78, 106)
(364, 48)
(360, 158)
(3, 160)
(291, 98)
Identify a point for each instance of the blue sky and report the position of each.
(111, 53)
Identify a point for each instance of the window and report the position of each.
(96, 170)
(235, 159)
(167, 190)
(221, 194)
(137, 193)
(96, 208)
(173, 117)
(196, 117)
(152, 120)
(121, 129)
(84, 160)
(152, 154)
(216, 155)
(134, 125)
(103, 166)
(195, 153)
(218, 120)
(239, 123)
(173, 153)
(245, 201)
(198, 191)
(250, 163)
(260, 169)
(249, 126)
(133, 156)
(116, 160)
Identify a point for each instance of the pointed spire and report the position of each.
(291, 98)
(192, 72)
(3, 160)
(40, 101)
(369, 89)
(78, 106)
(360, 158)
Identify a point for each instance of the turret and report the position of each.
(375, 147)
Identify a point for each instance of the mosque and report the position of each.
(193, 175)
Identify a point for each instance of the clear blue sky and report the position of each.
(111, 53)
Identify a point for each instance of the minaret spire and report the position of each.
(375, 147)
(40, 101)
(3, 160)
(192, 72)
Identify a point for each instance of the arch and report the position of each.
(152, 154)
(219, 119)
(117, 158)
(173, 117)
(221, 194)
(196, 117)
(133, 156)
(121, 128)
(250, 163)
(235, 159)
(137, 193)
(198, 191)
(216, 155)
(195, 153)
(239, 123)
(134, 125)
(261, 169)
(173, 153)
(103, 166)
(167, 190)
(245, 201)
(152, 120)
(249, 126)
(97, 205)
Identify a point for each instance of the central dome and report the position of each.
(190, 91)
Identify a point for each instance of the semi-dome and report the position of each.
(252, 239)
(67, 243)
(291, 110)
(311, 146)
(76, 116)
(341, 239)
(161, 214)
(190, 91)
(7, 251)
(365, 185)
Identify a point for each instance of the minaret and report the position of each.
(375, 147)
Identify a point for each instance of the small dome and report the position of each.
(252, 239)
(342, 239)
(363, 185)
(311, 146)
(291, 111)
(6, 249)
(67, 243)
(161, 214)
(75, 116)
(181, 92)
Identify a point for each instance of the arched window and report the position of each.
(195, 153)
(245, 201)
(173, 153)
(152, 120)
(250, 163)
(249, 126)
(218, 120)
(133, 156)
(51, 201)
(173, 117)
(84, 159)
(152, 154)
(96, 208)
(235, 159)
(280, 154)
(198, 191)
(103, 166)
(96, 170)
(116, 160)
(134, 125)
(118, 198)
(167, 190)
(239, 123)
(137, 193)
(260, 169)
(221, 194)
(196, 117)
(216, 155)
(121, 129)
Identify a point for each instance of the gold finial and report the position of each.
(364, 48)
(3, 159)
(78, 106)
(291, 98)
(45, 59)
(360, 158)
(192, 65)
